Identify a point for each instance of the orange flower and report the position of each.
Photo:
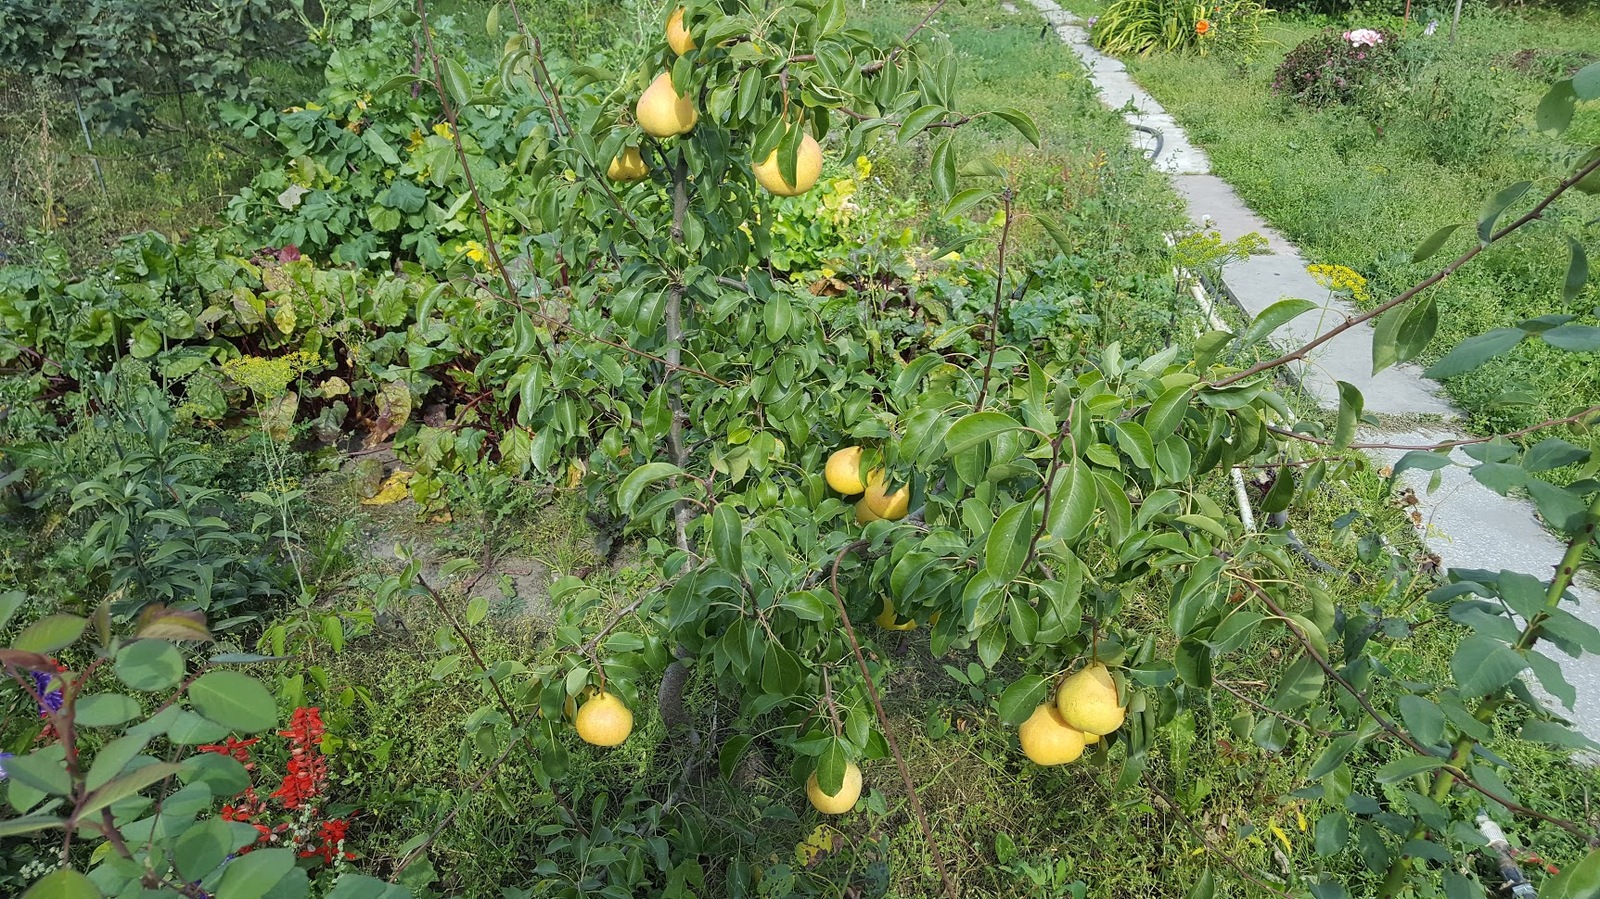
(1202, 26)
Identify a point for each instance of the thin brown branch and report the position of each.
(999, 297)
(1263, 707)
(1394, 730)
(1574, 418)
(883, 720)
(1301, 352)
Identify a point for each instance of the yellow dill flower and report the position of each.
(1339, 278)
(269, 378)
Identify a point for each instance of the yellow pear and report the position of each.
(889, 621)
(628, 167)
(1090, 739)
(1088, 701)
(892, 506)
(807, 168)
(678, 37)
(663, 112)
(864, 513)
(604, 721)
(1047, 739)
(840, 802)
(844, 471)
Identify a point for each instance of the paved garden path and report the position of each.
(1467, 524)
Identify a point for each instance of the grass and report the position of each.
(1351, 196)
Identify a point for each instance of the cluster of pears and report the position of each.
(604, 720)
(663, 112)
(1085, 709)
(843, 474)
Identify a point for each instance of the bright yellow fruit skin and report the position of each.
(678, 37)
(841, 802)
(604, 721)
(1088, 701)
(844, 471)
(1090, 739)
(889, 621)
(628, 167)
(864, 513)
(807, 169)
(1049, 740)
(892, 506)
(663, 112)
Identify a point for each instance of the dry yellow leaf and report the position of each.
(392, 491)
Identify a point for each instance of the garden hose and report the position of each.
(1161, 141)
(1516, 882)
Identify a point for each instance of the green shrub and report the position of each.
(1336, 67)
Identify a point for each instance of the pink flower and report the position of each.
(1363, 37)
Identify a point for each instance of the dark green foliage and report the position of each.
(1328, 69)
(120, 56)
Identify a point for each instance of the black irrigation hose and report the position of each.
(1281, 520)
(1161, 141)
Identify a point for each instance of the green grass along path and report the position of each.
(1466, 524)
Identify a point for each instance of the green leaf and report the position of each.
(1058, 234)
(1408, 766)
(727, 538)
(975, 429)
(1350, 406)
(1586, 82)
(1404, 332)
(1577, 271)
(1021, 698)
(1007, 546)
(1552, 453)
(1299, 685)
(1282, 492)
(1205, 887)
(830, 767)
(1497, 205)
(10, 602)
(63, 884)
(1072, 501)
(1167, 413)
(1234, 631)
(200, 849)
(1579, 881)
(44, 770)
(127, 785)
(1423, 718)
(455, 83)
(1574, 338)
(1434, 243)
(1135, 441)
(1481, 665)
(1274, 317)
(50, 634)
(944, 168)
(1556, 107)
(1556, 735)
(640, 478)
(1333, 755)
(1020, 121)
(1474, 351)
(149, 666)
(253, 875)
(1425, 460)
(113, 758)
(13, 827)
(918, 121)
(1332, 833)
(965, 200)
(359, 886)
(236, 701)
(1459, 886)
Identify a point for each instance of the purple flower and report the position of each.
(52, 700)
(1092, 20)
(1433, 25)
(5, 757)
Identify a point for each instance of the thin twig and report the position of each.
(1574, 418)
(1398, 733)
(1287, 719)
(883, 719)
(999, 296)
(1350, 322)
